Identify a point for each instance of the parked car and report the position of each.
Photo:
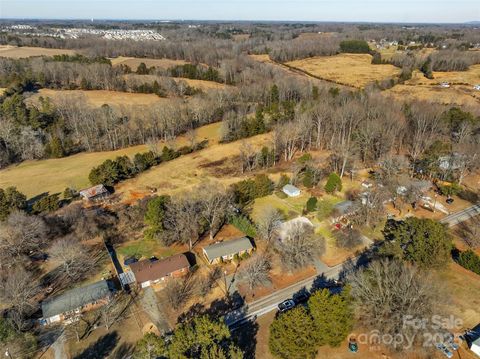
(286, 305)
(444, 350)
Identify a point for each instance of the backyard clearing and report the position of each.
(97, 98)
(133, 62)
(190, 170)
(354, 70)
(16, 52)
(54, 175)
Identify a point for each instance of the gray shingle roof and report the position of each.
(75, 298)
(226, 248)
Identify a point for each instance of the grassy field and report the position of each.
(458, 94)
(469, 77)
(290, 207)
(133, 62)
(216, 163)
(349, 69)
(98, 98)
(54, 175)
(200, 84)
(16, 52)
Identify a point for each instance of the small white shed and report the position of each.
(291, 191)
(475, 347)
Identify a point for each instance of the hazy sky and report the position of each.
(315, 10)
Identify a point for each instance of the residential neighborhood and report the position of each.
(226, 180)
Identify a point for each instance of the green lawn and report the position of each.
(291, 207)
(144, 248)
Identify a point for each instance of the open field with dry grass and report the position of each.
(97, 98)
(54, 175)
(469, 77)
(16, 52)
(200, 84)
(459, 95)
(348, 69)
(133, 62)
(215, 163)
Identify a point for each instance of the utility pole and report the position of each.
(226, 285)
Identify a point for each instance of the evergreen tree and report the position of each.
(420, 240)
(10, 200)
(332, 316)
(334, 183)
(142, 69)
(293, 336)
(150, 346)
(203, 338)
(154, 216)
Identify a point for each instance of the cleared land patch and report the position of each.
(16, 52)
(348, 69)
(187, 171)
(133, 62)
(200, 84)
(54, 175)
(469, 77)
(459, 95)
(97, 98)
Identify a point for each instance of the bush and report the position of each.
(334, 183)
(247, 190)
(280, 194)
(312, 204)
(469, 260)
(244, 224)
(46, 204)
(355, 46)
(284, 180)
(450, 190)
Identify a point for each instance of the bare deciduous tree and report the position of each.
(387, 291)
(255, 272)
(71, 255)
(268, 223)
(178, 291)
(300, 247)
(20, 235)
(215, 202)
(17, 288)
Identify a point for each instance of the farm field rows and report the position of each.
(348, 69)
(16, 52)
(54, 175)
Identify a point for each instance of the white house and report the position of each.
(291, 191)
(476, 87)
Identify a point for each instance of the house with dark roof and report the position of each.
(68, 306)
(227, 250)
(95, 193)
(149, 272)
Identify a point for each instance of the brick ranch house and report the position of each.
(226, 251)
(149, 272)
(68, 306)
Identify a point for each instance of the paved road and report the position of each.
(461, 216)
(269, 303)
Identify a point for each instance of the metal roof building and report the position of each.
(226, 250)
(76, 298)
(291, 190)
